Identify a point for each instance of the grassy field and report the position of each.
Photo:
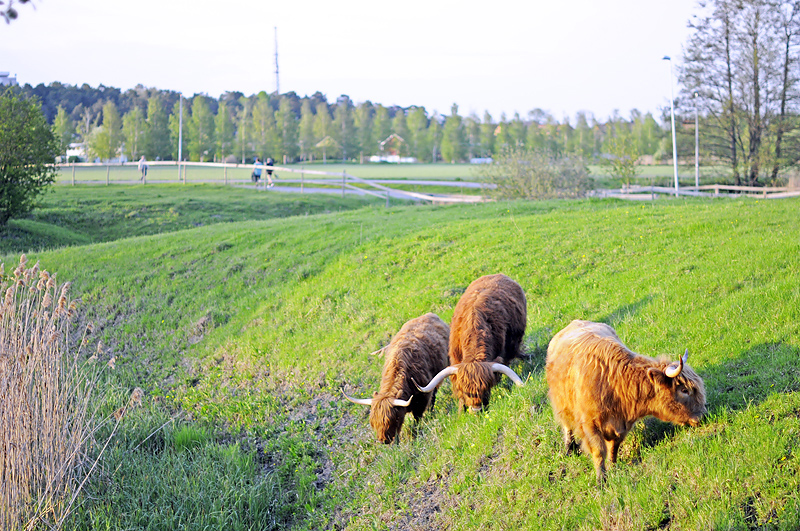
(659, 175)
(158, 173)
(243, 333)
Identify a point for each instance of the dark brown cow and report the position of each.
(485, 335)
(418, 351)
(599, 389)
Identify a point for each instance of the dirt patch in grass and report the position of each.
(428, 505)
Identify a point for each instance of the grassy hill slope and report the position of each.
(245, 332)
(80, 215)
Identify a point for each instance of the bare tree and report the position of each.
(740, 62)
(787, 20)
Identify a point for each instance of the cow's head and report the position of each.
(386, 414)
(680, 393)
(473, 382)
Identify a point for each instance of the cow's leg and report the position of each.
(569, 441)
(613, 448)
(595, 446)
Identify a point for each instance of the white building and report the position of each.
(6, 79)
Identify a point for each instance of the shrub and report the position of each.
(535, 174)
(27, 152)
(44, 395)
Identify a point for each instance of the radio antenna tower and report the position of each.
(277, 77)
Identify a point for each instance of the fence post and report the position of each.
(302, 178)
(343, 174)
(108, 172)
(225, 172)
(73, 174)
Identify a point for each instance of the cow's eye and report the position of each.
(683, 390)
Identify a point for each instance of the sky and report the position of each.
(500, 56)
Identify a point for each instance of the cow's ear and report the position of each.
(657, 376)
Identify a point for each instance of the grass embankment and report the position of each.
(83, 215)
(246, 332)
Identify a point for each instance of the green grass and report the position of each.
(436, 172)
(246, 331)
(158, 173)
(90, 214)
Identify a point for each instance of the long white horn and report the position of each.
(402, 403)
(362, 401)
(444, 373)
(508, 371)
(674, 369)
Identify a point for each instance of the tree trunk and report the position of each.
(756, 124)
(731, 106)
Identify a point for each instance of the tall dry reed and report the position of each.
(45, 389)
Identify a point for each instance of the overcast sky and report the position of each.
(504, 56)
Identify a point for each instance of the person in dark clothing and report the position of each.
(270, 163)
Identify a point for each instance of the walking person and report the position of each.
(256, 175)
(142, 168)
(270, 163)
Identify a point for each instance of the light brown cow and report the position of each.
(418, 351)
(485, 335)
(599, 389)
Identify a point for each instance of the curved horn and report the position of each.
(362, 401)
(508, 371)
(444, 373)
(674, 369)
(402, 403)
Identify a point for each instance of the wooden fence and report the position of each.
(649, 193)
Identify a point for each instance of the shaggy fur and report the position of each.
(417, 351)
(488, 326)
(599, 389)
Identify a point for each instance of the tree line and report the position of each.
(290, 128)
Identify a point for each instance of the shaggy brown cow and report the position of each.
(485, 335)
(599, 389)
(418, 351)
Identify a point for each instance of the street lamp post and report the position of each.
(672, 116)
(180, 132)
(696, 145)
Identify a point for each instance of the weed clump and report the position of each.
(519, 173)
(44, 395)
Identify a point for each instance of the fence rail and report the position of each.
(239, 175)
(335, 182)
(648, 193)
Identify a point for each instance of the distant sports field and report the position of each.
(661, 175)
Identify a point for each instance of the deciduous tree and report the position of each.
(158, 145)
(63, 129)
(27, 153)
(223, 132)
(288, 130)
(307, 139)
(201, 130)
(739, 60)
(134, 128)
(453, 137)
